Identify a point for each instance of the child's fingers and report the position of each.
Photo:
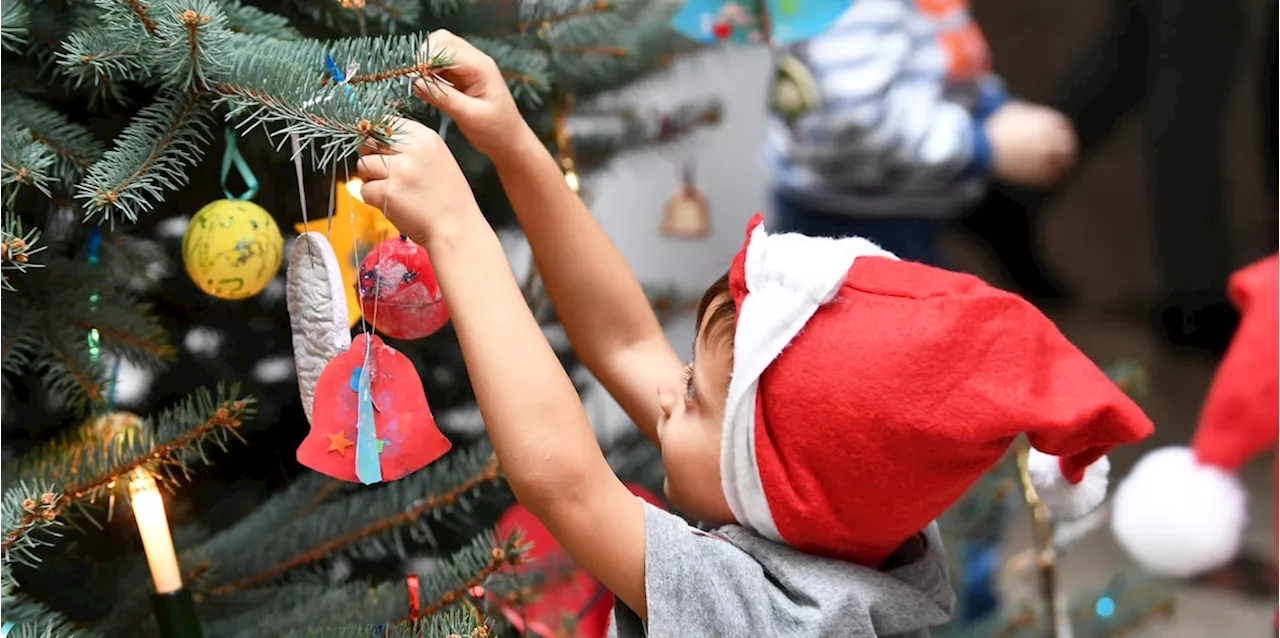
(448, 99)
(374, 193)
(374, 167)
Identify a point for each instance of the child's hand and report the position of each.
(479, 100)
(1031, 145)
(417, 184)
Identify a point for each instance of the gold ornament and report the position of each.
(686, 214)
(108, 427)
(232, 249)
(794, 91)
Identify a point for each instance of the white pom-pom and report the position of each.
(1065, 500)
(1178, 517)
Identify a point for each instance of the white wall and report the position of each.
(628, 197)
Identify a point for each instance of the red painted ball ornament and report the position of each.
(398, 290)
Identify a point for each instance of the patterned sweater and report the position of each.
(882, 114)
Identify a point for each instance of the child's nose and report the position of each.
(667, 402)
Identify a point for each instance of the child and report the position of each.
(891, 122)
(820, 467)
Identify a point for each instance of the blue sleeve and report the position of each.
(991, 96)
(980, 163)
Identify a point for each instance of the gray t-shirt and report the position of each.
(731, 582)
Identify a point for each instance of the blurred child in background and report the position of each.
(890, 124)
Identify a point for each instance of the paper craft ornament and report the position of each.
(685, 215)
(779, 22)
(371, 422)
(399, 291)
(1183, 510)
(232, 249)
(317, 311)
(569, 601)
(354, 229)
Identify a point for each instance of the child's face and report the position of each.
(693, 414)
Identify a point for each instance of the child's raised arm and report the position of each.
(601, 304)
(531, 409)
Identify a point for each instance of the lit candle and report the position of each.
(148, 510)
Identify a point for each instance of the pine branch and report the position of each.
(98, 55)
(75, 146)
(14, 22)
(22, 334)
(195, 43)
(454, 623)
(8, 583)
(141, 11)
(527, 71)
(16, 248)
(397, 58)
(30, 518)
(31, 618)
(151, 155)
(89, 462)
(277, 85)
(23, 162)
(67, 370)
(243, 18)
(303, 606)
(365, 522)
(379, 16)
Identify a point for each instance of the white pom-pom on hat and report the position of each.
(1177, 516)
(1064, 499)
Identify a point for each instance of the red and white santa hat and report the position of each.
(869, 393)
(1182, 510)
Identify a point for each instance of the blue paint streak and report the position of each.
(4, 631)
(368, 470)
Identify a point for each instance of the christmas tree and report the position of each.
(117, 118)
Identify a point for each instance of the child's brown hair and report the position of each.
(724, 317)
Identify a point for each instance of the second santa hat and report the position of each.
(1182, 511)
(869, 393)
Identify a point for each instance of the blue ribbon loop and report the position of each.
(232, 156)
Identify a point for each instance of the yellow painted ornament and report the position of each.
(232, 249)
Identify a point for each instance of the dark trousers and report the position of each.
(909, 239)
(1175, 59)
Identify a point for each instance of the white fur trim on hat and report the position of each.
(788, 276)
(1179, 517)
(1065, 500)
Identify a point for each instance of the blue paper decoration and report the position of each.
(789, 21)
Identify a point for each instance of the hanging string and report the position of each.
(231, 156)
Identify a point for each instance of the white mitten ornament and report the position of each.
(317, 311)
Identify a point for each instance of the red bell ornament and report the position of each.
(404, 438)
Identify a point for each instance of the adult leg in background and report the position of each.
(1196, 50)
(1105, 84)
(1270, 127)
